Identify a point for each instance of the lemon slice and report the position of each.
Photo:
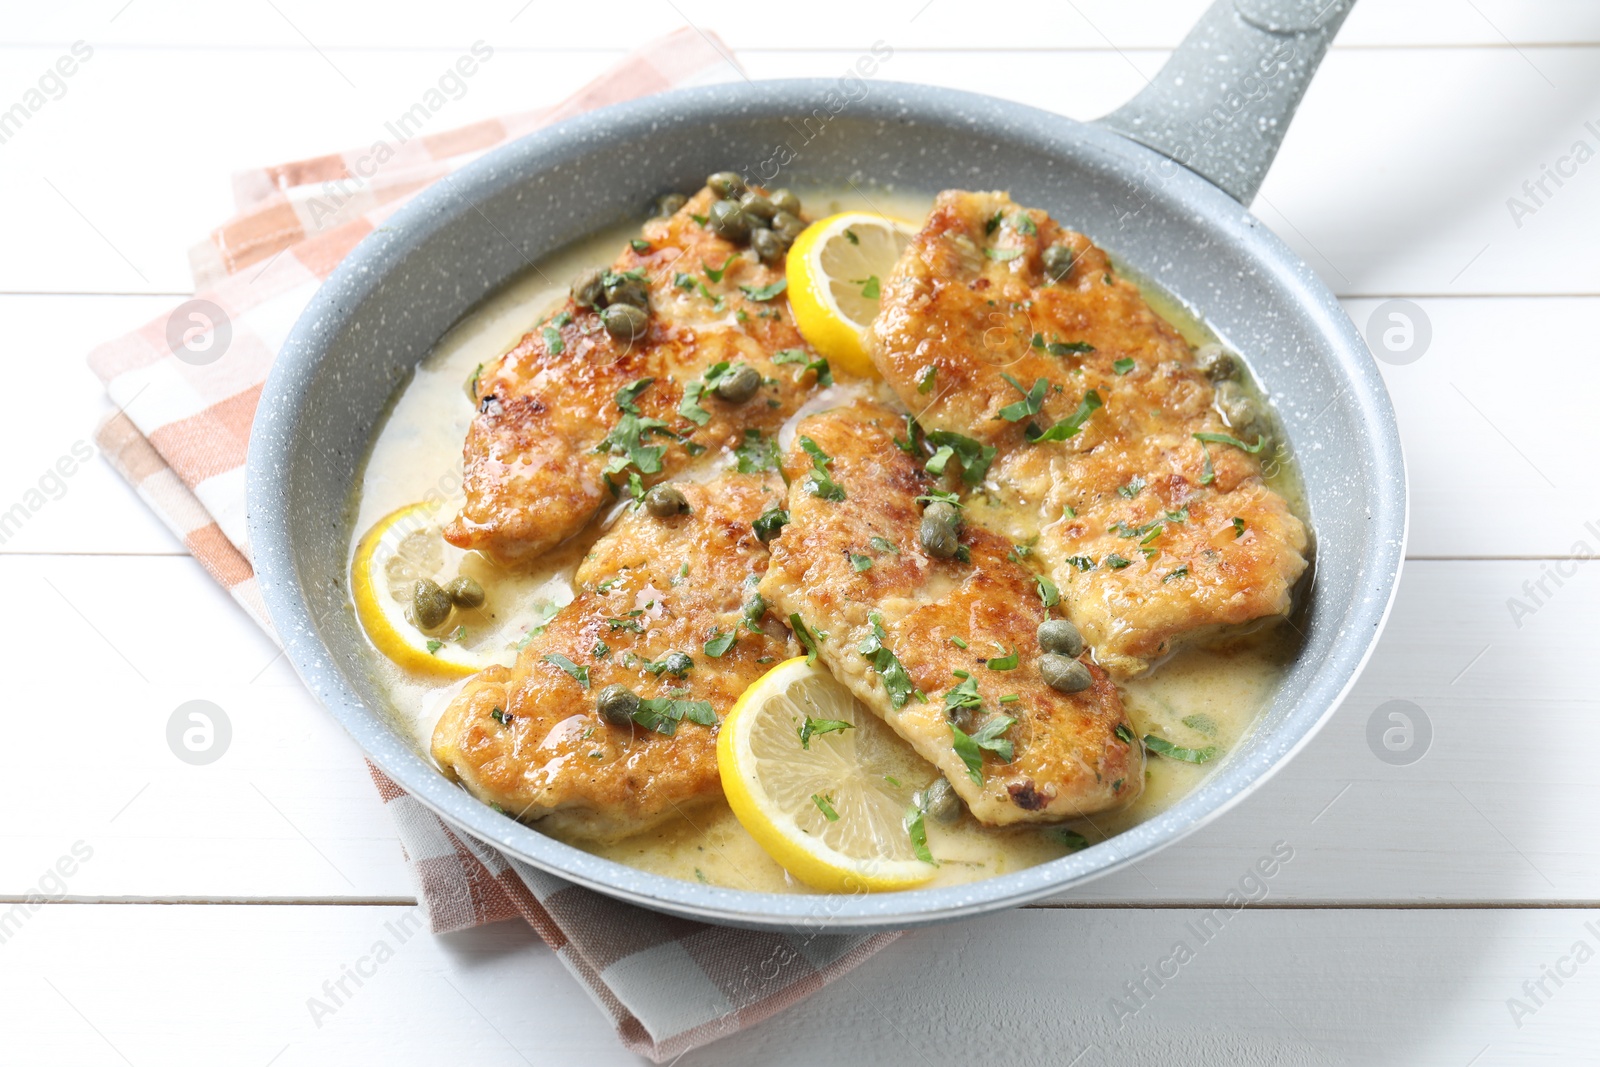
(827, 810)
(835, 270)
(401, 548)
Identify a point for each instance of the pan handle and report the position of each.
(1223, 102)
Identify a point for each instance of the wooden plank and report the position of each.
(50, 406)
(908, 24)
(202, 985)
(1384, 189)
(1499, 809)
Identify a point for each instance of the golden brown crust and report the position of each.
(533, 476)
(670, 585)
(970, 298)
(1069, 760)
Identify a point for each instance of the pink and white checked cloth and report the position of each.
(179, 438)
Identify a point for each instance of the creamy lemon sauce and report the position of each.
(1197, 699)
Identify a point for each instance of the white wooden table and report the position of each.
(1425, 901)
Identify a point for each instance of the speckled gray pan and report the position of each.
(1222, 107)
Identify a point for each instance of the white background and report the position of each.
(1420, 898)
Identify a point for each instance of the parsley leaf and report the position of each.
(1002, 255)
(807, 639)
(895, 679)
(626, 444)
(794, 355)
(640, 245)
(1229, 439)
(964, 696)
(970, 747)
(770, 523)
(973, 457)
(756, 453)
(926, 378)
(765, 292)
(577, 672)
(720, 642)
(628, 394)
(1061, 348)
(690, 407)
(883, 544)
(819, 481)
(1182, 571)
(1025, 225)
(716, 273)
(1069, 426)
(1122, 366)
(1116, 562)
(823, 805)
(860, 563)
(1201, 723)
(1238, 528)
(992, 224)
(1131, 490)
(813, 727)
(676, 664)
(917, 830)
(1047, 591)
(553, 342)
(1083, 563)
(1032, 401)
(1162, 747)
(662, 714)
(1005, 663)
(938, 496)
(1070, 838)
(870, 288)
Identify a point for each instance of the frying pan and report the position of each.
(1161, 183)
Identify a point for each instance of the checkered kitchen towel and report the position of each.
(179, 438)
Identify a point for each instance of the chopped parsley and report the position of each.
(813, 727)
(803, 634)
(819, 481)
(1025, 226)
(628, 394)
(552, 341)
(971, 747)
(958, 642)
(542, 614)
(1069, 426)
(1208, 473)
(434, 645)
(973, 457)
(716, 273)
(1061, 348)
(883, 544)
(1122, 366)
(1047, 591)
(1162, 747)
(662, 714)
(756, 453)
(750, 615)
(690, 407)
(676, 664)
(850, 235)
(1005, 663)
(1002, 255)
(1070, 838)
(886, 663)
(499, 715)
(823, 805)
(640, 245)
(1131, 490)
(1201, 723)
(860, 563)
(964, 696)
(870, 287)
(765, 292)
(1124, 733)
(1032, 401)
(993, 223)
(1083, 563)
(917, 830)
(926, 378)
(626, 444)
(1116, 562)
(577, 672)
(633, 626)
(720, 642)
(769, 523)
(1181, 571)
(1238, 528)
(938, 496)
(794, 355)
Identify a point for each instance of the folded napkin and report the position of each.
(179, 437)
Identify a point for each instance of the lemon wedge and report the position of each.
(407, 545)
(836, 269)
(826, 808)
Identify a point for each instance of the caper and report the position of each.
(664, 501)
(1064, 673)
(757, 206)
(464, 592)
(768, 246)
(940, 532)
(670, 204)
(728, 221)
(961, 718)
(727, 184)
(1059, 635)
(940, 801)
(787, 225)
(1058, 260)
(784, 200)
(1242, 412)
(588, 288)
(430, 605)
(624, 321)
(622, 289)
(739, 384)
(1216, 362)
(616, 704)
